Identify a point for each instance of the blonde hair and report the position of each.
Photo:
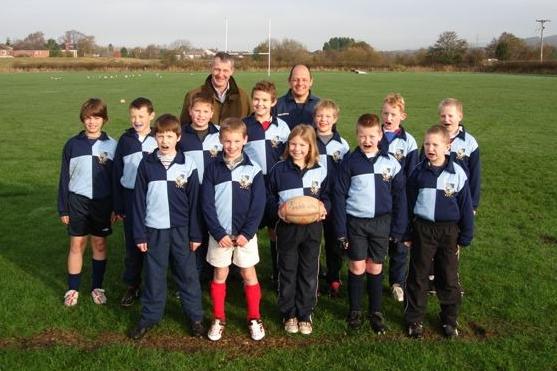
(396, 100)
(233, 125)
(326, 104)
(450, 102)
(307, 133)
(441, 130)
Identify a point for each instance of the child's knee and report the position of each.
(249, 275)
(357, 266)
(373, 267)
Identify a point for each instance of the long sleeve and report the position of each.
(474, 178)
(64, 182)
(341, 187)
(271, 208)
(399, 207)
(208, 208)
(466, 223)
(117, 171)
(192, 191)
(257, 207)
(139, 205)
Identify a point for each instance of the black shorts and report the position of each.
(369, 238)
(89, 216)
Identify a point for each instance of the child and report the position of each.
(369, 208)
(267, 136)
(133, 145)
(402, 145)
(200, 141)
(441, 207)
(298, 245)
(85, 198)
(332, 149)
(166, 228)
(233, 199)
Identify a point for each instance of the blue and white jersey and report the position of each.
(203, 153)
(129, 153)
(233, 201)
(166, 198)
(332, 153)
(295, 113)
(441, 194)
(404, 148)
(467, 152)
(369, 188)
(86, 169)
(287, 180)
(265, 147)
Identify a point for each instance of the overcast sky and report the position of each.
(386, 25)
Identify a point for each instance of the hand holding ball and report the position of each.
(302, 210)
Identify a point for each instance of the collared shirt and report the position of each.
(295, 113)
(221, 96)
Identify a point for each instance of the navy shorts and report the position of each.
(369, 238)
(89, 217)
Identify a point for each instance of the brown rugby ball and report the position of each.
(301, 210)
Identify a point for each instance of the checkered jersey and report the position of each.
(166, 198)
(404, 148)
(203, 153)
(265, 147)
(467, 152)
(233, 201)
(332, 153)
(86, 169)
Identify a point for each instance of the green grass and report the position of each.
(509, 309)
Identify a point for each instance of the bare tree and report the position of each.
(34, 40)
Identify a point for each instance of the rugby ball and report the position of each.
(301, 210)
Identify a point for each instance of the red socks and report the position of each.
(218, 295)
(253, 297)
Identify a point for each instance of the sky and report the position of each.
(385, 25)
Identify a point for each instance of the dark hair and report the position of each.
(267, 87)
(224, 57)
(441, 130)
(141, 102)
(201, 97)
(233, 124)
(368, 120)
(93, 107)
(168, 122)
(296, 65)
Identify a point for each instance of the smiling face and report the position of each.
(435, 148)
(167, 141)
(93, 126)
(298, 150)
(262, 102)
(450, 117)
(325, 119)
(201, 113)
(140, 119)
(392, 116)
(221, 72)
(300, 82)
(232, 143)
(369, 138)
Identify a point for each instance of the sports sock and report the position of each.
(374, 291)
(218, 296)
(99, 267)
(253, 297)
(355, 290)
(73, 281)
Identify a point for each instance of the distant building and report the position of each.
(31, 53)
(6, 51)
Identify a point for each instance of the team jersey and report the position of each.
(404, 148)
(295, 113)
(203, 153)
(467, 154)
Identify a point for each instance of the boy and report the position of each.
(403, 147)
(166, 228)
(233, 199)
(332, 149)
(85, 198)
(200, 141)
(133, 146)
(267, 137)
(441, 207)
(370, 208)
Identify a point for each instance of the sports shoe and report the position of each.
(98, 296)
(130, 296)
(305, 327)
(334, 289)
(377, 323)
(197, 329)
(398, 293)
(70, 298)
(139, 331)
(216, 330)
(415, 330)
(450, 331)
(354, 319)
(256, 329)
(291, 325)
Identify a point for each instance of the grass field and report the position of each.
(509, 311)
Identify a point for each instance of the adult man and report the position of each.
(228, 99)
(296, 106)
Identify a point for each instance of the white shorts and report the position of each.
(242, 257)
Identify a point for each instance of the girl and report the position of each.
(298, 245)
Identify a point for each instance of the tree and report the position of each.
(180, 45)
(338, 43)
(32, 41)
(124, 52)
(448, 49)
(86, 46)
(507, 47)
(284, 52)
(54, 48)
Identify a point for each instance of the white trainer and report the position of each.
(291, 325)
(216, 330)
(70, 298)
(98, 296)
(256, 329)
(398, 292)
(306, 328)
